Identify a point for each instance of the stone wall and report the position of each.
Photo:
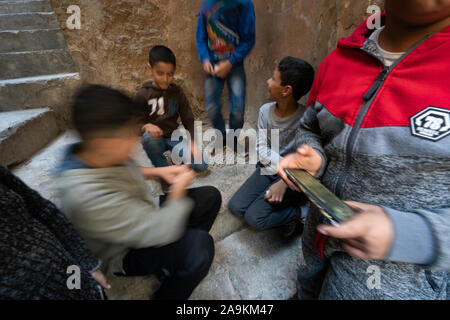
(112, 45)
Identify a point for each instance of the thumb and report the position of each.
(304, 150)
(353, 228)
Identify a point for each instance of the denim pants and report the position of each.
(248, 202)
(213, 95)
(156, 147)
(185, 262)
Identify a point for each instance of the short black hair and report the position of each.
(99, 111)
(161, 54)
(298, 74)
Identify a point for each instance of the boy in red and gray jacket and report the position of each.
(377, 131)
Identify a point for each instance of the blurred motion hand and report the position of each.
(180, 183)
(222, 69)
(208, 68)
(170, 173)
(101, 279)
(368, 235)
(305, 158)
(153, 130)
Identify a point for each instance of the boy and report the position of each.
(264, 200)
(105, 196)
(379, 134)
(165, 102)
(225, 37)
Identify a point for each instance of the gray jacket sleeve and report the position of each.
(421, 237)
(309, 133)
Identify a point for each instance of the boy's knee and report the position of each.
(201, 253)
(255, 221)
(235, 207)
(214, 195)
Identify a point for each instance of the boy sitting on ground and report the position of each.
(264, 200)
(105, 196)
(164, 103)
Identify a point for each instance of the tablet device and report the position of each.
(329, 204)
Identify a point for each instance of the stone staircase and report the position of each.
(37, 77)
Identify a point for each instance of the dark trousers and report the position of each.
(187, 261)
(248, 202)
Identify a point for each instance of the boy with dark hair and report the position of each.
(165, 102)
(105, 196)
(225, 37)
(264, 200)
(377, 131)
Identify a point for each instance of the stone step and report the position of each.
(252, 265)
(31, 40)
(28, 21)
(35, 63)
(25, 6)
(22, 133)
(36, 92)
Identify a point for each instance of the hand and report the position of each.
(368, 235)
(153, 130)
(170, 173)
(208, 68)
(101, 279)
(275, 193)
(222, 69)
(181, 182)
(305, 158)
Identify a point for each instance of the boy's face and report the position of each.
(163, 74)
(416, 13)
(274, 88)
(120, 147)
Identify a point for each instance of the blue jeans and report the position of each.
(156, 147)
(248, 202)
(213, 94)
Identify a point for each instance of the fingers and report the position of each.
(288, 181)
(353, 228)
(358, 206)
(101, 279)
(355, 252)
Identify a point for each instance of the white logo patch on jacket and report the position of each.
(432, 123)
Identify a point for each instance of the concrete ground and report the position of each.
(248, 264)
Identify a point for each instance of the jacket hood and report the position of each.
(359, 36)
(150, 86)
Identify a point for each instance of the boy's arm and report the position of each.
(246, 34)
(421, 237)
(55, 221)
(186, 115)
(202, 39)
(266, 155)
(309, 134)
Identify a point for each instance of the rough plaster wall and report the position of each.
(112, 45)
